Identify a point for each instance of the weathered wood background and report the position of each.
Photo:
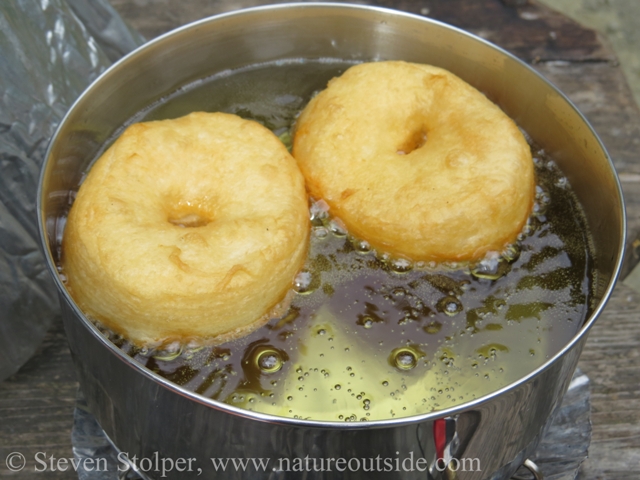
(36, 404)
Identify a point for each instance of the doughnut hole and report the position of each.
(189, 215)
(191, 220)
(414, 141)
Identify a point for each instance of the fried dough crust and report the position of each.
(187, 229)
(416, 162)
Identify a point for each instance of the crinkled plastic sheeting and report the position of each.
(50, 50)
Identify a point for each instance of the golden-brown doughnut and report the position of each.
(416, 161)
(192, 228)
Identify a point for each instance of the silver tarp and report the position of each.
(50, 50)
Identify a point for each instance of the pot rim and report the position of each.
(268, 418)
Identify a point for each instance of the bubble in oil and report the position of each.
(491, 350)
(337, 228)
(511, 253)
(170, 353)
(449, 305)
(361, 246)
(320, 232)
(304, 282)
(268, 359)
(319, 211)
(542, 197)
(492, 267)
(400, 265)
(366, 321)
(405, 358)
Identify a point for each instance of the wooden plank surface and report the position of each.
(36, 404)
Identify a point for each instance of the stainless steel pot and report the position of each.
(142, 413)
